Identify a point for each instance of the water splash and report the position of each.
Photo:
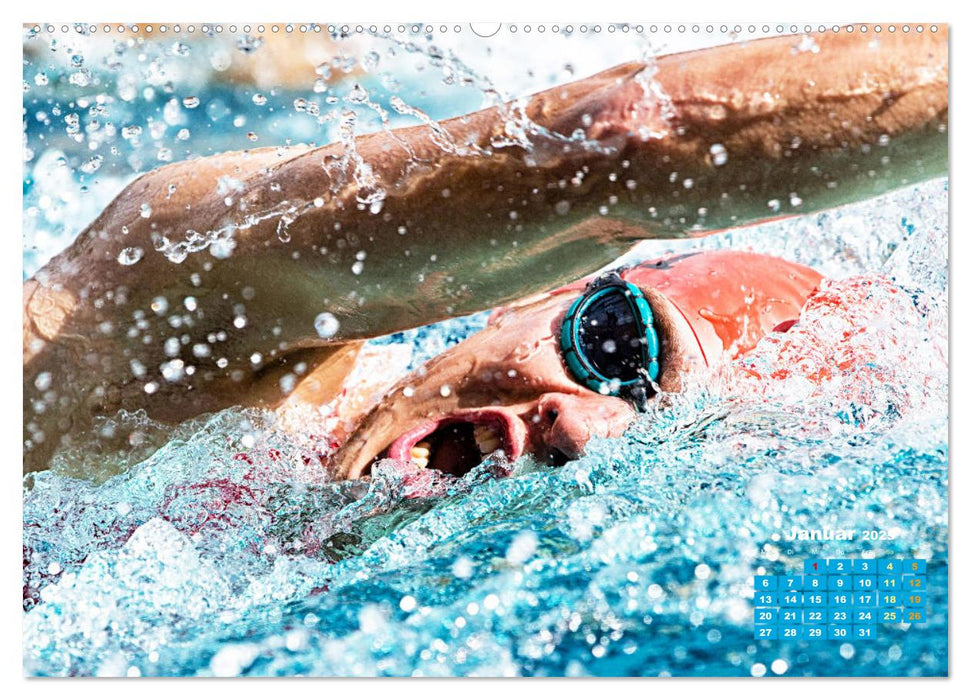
(633, 560)
(608, 565)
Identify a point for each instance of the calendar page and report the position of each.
(485, 349)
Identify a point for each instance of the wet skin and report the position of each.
(486, 222)
(510, 377)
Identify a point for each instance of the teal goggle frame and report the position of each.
(580, 366)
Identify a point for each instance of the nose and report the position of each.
(567, 422)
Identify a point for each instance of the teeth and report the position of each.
(485, 439)
(420, 454)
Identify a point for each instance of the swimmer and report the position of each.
(258, 275)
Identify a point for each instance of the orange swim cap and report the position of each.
(730, 299)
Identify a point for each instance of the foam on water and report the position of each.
(230, 552)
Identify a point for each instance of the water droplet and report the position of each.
(173, 370)
(137, 368)
(807, 43)
(145, 210)
(357, 95)
(190, 102)
(172, 347)
(371, 60)
(73, 123)
(326, 325)
(462, 567)
(259, 99)
(43, 381)
(775, 205)
(562, 207)
(357, 268)
(283, 229)
(130, 256)
(249, 44)
(522, 548)
(719, 155)
(92, 164)
(445, 391)
(81, 78)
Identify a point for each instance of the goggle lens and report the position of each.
(609, 336)
(608, 340)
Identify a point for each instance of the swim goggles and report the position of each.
(608, 341)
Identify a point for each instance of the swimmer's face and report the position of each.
(507, 388)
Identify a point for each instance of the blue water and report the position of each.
(229, 552)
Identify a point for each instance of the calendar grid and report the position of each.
(840, 599)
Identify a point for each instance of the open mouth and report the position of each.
(459, 442)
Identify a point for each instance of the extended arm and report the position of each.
(401, 228)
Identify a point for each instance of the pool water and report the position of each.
(230, 552)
